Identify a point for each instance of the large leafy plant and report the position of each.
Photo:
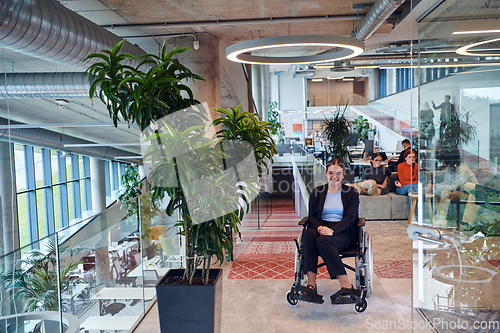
(273, 117)
(142, 89)
(34, 279)
(337, 132)
(145, 90)
(360, 126)
(246, 126)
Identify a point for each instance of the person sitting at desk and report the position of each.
(376, 178)
(394, 164)
(408, 175)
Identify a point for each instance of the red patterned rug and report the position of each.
(271, 250)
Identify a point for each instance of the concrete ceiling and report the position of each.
(146, 22)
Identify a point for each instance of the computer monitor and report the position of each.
(369, 146)
(353, 141)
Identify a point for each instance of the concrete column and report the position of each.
(98, 187)
(266, 90)
(391, 81)
(8, 216)
(257, 87)
(372, 85)
(204, 62)
(8, 208)
(97, 184)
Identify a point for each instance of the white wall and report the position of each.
(456, 86)
(235, 74)
(292, 92)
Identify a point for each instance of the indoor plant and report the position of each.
(337, 132)
(180, 151)
(36, 285)
(273, 117)
(360, 126)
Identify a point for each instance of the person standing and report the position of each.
(446, 109)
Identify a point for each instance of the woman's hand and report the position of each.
(325, 231)
(397, 183)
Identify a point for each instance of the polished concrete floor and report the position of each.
(259, 304)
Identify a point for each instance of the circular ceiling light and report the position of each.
(464, 50)
(272, 50)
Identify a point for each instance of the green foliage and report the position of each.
(246, 126)
(129, 196)
(142, 93)
(37, 286)
(337, 133)
(273, 116)
(460, 130)
(187, 156)
(361, 126)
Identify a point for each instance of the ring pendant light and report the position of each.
(241, 52)
(464, 50)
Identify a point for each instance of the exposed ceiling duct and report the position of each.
(47, 139)
(47, 30)
(44, 85)
(342, 67)
(377, 15)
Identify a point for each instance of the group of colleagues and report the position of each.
(376, 180)
(333, 210)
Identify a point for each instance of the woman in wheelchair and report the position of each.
(332, 228)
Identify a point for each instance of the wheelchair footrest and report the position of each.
(305, 294)
(348, 296)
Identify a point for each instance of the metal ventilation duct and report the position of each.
(47, 139)
(379, 13)
(44, 85)
(47, 30)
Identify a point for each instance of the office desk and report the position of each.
(113, 323)
(75, 291)
(362, 165)
(125, 293)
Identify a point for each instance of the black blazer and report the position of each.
(350, 201)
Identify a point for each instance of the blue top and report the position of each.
(333, 209)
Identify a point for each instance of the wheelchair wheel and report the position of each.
(361, 307)
(292, 299)
(368, 263)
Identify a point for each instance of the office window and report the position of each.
(53, 188)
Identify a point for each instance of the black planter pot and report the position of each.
(190, 308)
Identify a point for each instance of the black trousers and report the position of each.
(328, 247)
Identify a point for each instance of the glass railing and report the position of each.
(311, 169)
(102, 277)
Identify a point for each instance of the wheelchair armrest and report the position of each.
(304, 221)
(361, 222)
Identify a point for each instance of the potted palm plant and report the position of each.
(337, 131)
(152, 92)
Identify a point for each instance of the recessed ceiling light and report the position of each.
(486, 26)
(335, 78)
(317, 80)
(348, 79)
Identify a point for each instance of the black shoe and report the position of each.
(346, 295)
(310, 294)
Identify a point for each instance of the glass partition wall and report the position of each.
(456, 281)
(98, 274)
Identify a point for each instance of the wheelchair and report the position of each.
(363, 254)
